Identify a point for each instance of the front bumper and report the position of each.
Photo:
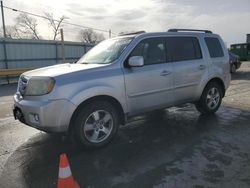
(49, 116)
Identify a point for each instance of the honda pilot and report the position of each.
(122, 77)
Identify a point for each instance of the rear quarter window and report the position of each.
(214, 47)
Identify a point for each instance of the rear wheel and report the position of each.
(210, 99)
(233, 68)
(96, 124)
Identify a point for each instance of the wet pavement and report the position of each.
(177, 147)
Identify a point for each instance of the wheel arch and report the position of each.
(108, 98)
(220, 82)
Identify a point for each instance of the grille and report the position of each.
(23, 81)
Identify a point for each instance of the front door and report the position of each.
(149, 87)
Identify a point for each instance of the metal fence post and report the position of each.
(85, 48)
(5, 59)
(56, 44)
(62, 43)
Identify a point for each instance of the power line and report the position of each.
(65, 22)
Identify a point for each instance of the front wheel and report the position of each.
(96, 124)
(210, 99)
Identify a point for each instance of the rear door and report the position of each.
(189, 67)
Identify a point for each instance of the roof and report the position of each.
(170, 31)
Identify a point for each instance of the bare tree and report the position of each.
(11, 32)
(27, 26)
(55, 24)
(90, 36)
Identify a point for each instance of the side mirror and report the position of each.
(136, 61)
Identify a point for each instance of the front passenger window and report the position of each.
(152, 50)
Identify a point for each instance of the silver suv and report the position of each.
(122, 77)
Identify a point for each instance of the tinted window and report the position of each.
(153, 51)
(182, 48)
(214, 47)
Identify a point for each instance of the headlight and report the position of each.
(39, 86)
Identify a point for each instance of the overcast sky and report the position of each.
(229, 18)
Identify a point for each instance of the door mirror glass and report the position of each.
(136, 61)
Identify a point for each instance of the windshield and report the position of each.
(105, 52)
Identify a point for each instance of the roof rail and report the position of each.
(133, 33)
(196, 30)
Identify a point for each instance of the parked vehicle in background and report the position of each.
(234, 61)
(122, 77)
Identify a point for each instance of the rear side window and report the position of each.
(214, 47)
(182, 48)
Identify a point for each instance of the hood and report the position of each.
(61, 69)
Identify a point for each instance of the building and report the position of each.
(242, 49)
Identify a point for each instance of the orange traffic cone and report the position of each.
(65, 178)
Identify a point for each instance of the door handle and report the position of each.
(165, 73)
(202, 67)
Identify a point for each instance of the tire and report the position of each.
(210, 99)
(96, 124)
(233, 68)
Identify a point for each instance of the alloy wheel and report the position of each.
(98, 126)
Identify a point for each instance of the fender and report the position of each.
(99, 90)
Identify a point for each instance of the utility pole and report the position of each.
(110, 33)
(4, 31)
(4, 42)
(62, 44)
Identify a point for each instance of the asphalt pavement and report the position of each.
(176, 147)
